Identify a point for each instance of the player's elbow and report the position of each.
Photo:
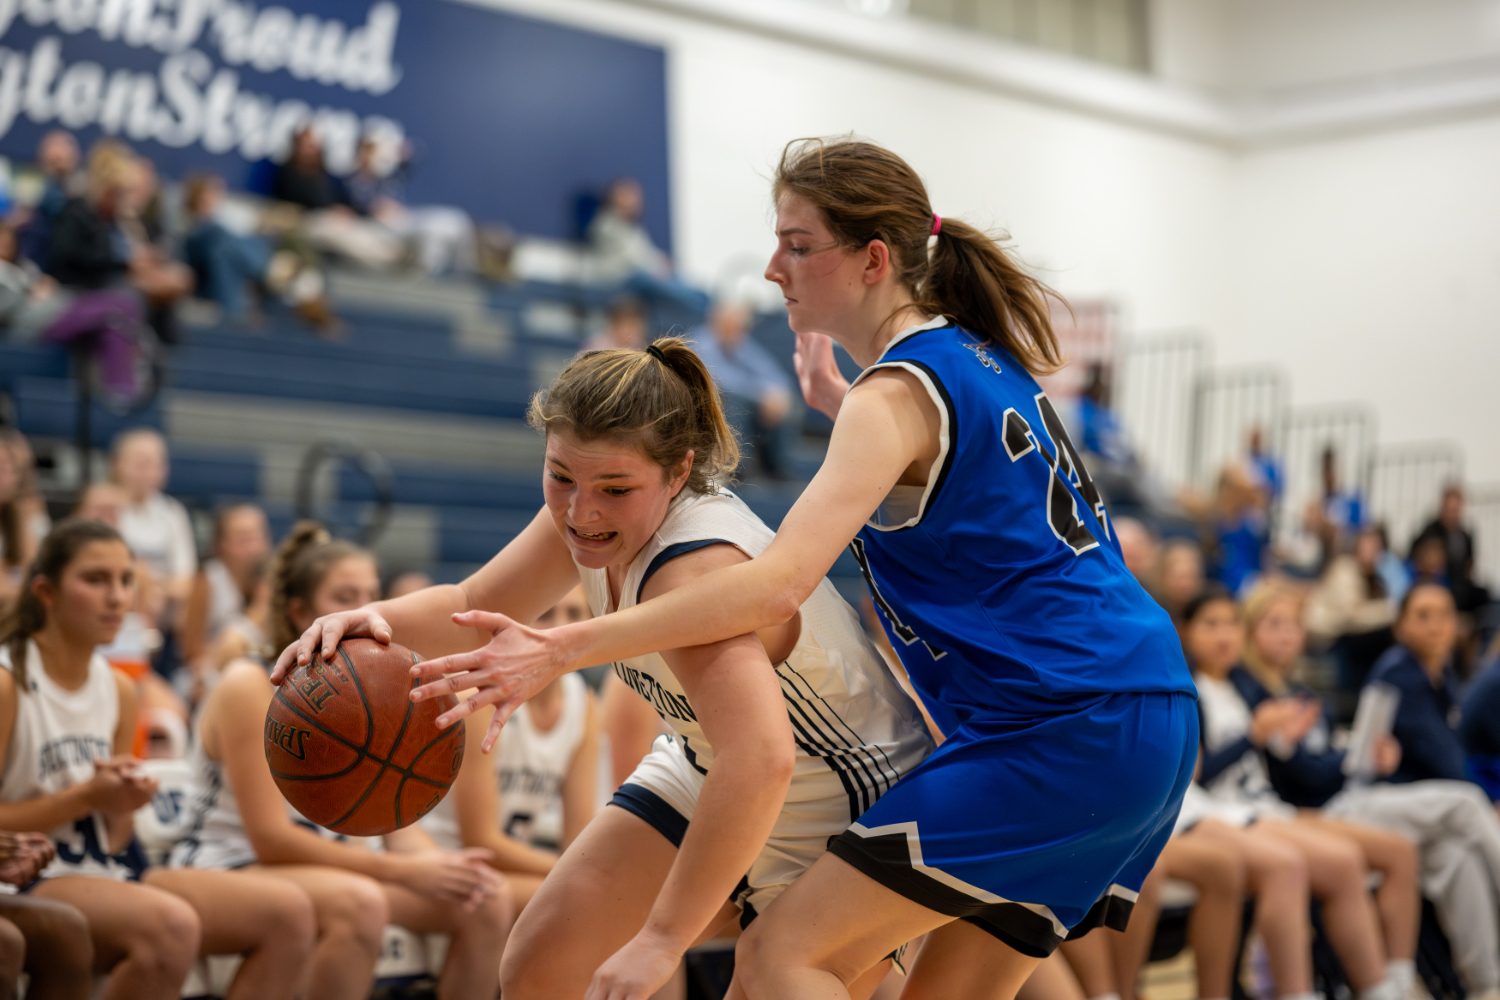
(771, 762)
(784, 605)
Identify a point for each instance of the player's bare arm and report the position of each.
(737, 697)
(522, 581)
(887, 433)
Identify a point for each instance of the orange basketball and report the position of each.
(349, 748)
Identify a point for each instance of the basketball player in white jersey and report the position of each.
(67, 721)
(239, 820)
(765, 763)
(532, 798)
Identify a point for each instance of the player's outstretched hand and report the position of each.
(516, 664)
(324, 635)
(823, 385)
(636, 971)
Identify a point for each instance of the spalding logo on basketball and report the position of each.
(349, 748)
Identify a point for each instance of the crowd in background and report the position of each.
(1281, 642)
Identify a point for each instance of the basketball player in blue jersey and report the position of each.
(1068, 709)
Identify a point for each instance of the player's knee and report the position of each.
(760, 952)
(749, 953)
(1344, 862)
(169, 934)
(1284, 865)
(1403, 859)
(294, 924)
(57, 936)
(12, 955)
(491, 919)
(527, 972)
(357, 914)
(1227, 876)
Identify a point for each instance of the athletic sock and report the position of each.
(1386, 989)
(1402, 972)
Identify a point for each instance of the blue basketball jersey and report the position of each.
(1000, 582)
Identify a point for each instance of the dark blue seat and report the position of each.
(48, 407)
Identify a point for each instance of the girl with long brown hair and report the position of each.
(67, 721)
(1058, 682)
(239, 820)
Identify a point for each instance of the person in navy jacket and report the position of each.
(1419, 666)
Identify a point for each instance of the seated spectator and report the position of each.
(331, 224)
(240, 819)
(246, 636)
(28, 298)
(226, 583)
(443, 237)
(47, 940)
(1419, 666)
(58, 157)
(757, 391)
(1141, 550)
(114, 281)
(407, 583)
(1264, 466)
(1233, 770)
(303, 180)
(1181, 577)
(16, 545)
(1451, 822)
(533, 796)
(1479, 729)
(1457, 542)
(626, 329)
(626, 253)
(162, 727)
(155, 526)
(1351, 608)
(1241, 530)
(227, 263)
(57, 691)
(1391, 567)
(1338, 514)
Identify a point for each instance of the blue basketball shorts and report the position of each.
(1036, 827)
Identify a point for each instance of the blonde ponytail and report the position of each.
(662, 398)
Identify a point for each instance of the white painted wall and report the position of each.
(1368, 266)
(1102, 208)
(1371, 268)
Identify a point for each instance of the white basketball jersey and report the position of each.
(58, 736)
(530, 766)
(848, 713)
(214, 836)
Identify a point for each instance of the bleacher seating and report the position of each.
(435, 376)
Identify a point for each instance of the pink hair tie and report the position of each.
(937, 223)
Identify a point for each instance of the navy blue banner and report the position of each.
(511, 118)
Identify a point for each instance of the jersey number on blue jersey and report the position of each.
(1067, 471)
(903, 631)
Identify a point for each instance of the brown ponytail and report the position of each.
(26, 616)
(662, 398)
(302, 562)
(868, 193)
